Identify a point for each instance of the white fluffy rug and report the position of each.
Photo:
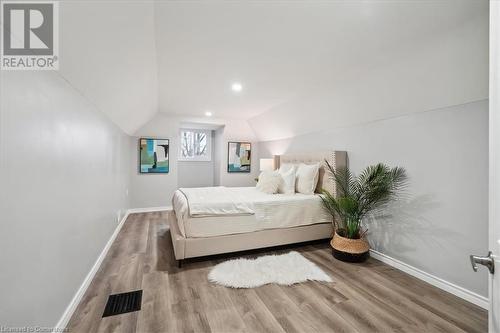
(285, 269)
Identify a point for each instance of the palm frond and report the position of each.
(343, 179)
(375, 186)
(332, 205)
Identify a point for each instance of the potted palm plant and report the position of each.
(358, 196)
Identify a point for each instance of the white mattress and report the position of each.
(271, 211)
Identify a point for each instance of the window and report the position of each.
(195, 145)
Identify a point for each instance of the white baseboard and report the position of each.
(149, 209)
(64, 320)
(434, 280)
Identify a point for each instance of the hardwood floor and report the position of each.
(368, 297)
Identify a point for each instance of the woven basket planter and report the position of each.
(350, 250)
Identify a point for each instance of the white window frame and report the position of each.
(207, 157)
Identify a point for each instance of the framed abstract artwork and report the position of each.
(239, 156)
(153, 155)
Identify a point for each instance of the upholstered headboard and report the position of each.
(337, 159)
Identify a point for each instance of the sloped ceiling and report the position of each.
(446, 69)
(108, 54)
(134, 58)
(281, 50)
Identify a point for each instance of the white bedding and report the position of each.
(214, 201)
(270, 211)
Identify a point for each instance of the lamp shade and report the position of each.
(266, 164)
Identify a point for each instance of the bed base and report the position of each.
(206, 246)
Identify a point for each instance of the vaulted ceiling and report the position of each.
(135, 59)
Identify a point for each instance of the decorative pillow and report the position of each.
(307, 178)
(287, 181)
(287, 166)
(268, 182)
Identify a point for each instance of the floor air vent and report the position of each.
(123, 303)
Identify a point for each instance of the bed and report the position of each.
(215, 220)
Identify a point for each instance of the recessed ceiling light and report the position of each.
(208, 113)
(236, 87)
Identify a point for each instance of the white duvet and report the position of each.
(214, 211)
(217, 201)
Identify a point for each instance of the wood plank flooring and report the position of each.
(368, 297)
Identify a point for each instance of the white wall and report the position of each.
(237, 131)
(494, 163)
(64, 174)
(218, 154)
(198, 173)
(446, 155)
(156, 190)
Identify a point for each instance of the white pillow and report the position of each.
(268, 182)
(287, 166)
(287, 181)
(307, 178)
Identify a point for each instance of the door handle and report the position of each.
(485, 261)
